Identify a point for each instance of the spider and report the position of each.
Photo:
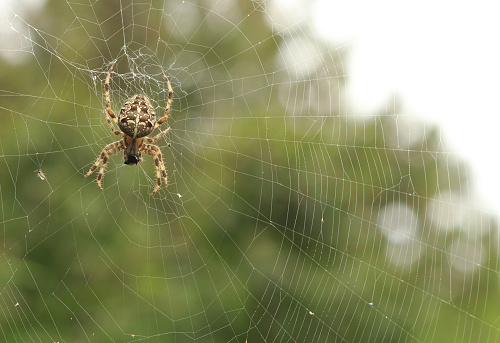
(136, 120)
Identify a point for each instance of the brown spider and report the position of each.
(136, 120)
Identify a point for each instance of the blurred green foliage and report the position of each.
(268, 228)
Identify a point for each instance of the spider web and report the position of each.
(286, 217)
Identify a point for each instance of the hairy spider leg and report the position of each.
(158, 136)
(108, 150)
(154, 151)
(116, 132)
(169, 102)
(108, 101)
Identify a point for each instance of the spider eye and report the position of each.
(132, 159)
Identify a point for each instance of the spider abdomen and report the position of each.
(137, 117)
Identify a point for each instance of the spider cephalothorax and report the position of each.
(136, 119)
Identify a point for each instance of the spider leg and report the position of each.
(154, 151)
(155, 138)
(116, 132)
(169, 102)
(108, 150)
(108, 101)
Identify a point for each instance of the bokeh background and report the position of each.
(286, 218)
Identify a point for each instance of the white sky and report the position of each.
(441, 57)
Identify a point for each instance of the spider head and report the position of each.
(132, 159)
(132, 154)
